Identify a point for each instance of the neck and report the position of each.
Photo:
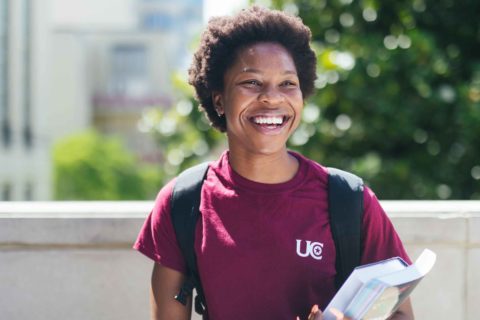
(270, 168)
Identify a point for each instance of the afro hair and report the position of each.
(225, 36)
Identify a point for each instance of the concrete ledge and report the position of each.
(439, 209)
(75, 209)
(73, 260)
(67, 224)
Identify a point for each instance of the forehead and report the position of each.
(264, 54)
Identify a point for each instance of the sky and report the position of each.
(221, 7)
(98, 13)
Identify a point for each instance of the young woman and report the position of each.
(259, 200)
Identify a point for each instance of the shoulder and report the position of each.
(371, 202)
(162, 200)
(157, 239)
(373, 212)
(380, 238)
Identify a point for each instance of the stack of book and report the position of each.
(376, 290)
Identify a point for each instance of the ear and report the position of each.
(218, 103)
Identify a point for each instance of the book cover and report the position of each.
(375, 291)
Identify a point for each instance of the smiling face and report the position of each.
(261, 99)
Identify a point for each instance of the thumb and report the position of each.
(315, 313)
(338, 314)
(318, 315)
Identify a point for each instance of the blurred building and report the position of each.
(25, 139)
(56, 80)
(127, 68)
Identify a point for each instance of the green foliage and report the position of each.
(398, 94)
(397, 100)
(182, 132)
(89, 166)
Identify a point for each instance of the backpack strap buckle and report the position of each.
(185, 292)
(199, 305)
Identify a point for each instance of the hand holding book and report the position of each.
(375, 291)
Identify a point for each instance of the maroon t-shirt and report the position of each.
(264, 251)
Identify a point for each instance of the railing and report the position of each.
(73, 260)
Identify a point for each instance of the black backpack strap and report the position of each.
(345, 206)
(184, 209)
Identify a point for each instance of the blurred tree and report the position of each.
(182, 132)
(397, 101)
(398, 94)
(89, 166)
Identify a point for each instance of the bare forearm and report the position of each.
(165, 284)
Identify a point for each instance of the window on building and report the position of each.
(129, 70)
(6, 192)
(5, 129)
(28, 191)
(157, 21)
(27, 72)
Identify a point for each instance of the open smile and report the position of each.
(269, 124)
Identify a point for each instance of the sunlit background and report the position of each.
(95, 105)
(75, 79)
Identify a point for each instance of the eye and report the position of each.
(288, 83)
(252, 83)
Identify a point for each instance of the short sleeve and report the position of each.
(380, 239)
(157, 239)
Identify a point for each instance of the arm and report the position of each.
(166, 284)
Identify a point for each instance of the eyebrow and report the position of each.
(253, 70)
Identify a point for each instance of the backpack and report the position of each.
(345, 203)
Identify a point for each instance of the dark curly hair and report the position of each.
(225, 36)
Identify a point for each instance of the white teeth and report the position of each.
(268, 120)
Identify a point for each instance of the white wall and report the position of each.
(68, 95)
(28, 165)
(72, 260)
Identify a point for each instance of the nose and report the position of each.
(271, 95)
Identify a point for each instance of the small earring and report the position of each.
(220, 114)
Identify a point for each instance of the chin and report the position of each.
(269, 150)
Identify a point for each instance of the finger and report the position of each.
(315, 313)
(311, 316)
(338, 314)
(318, 315)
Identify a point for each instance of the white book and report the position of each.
(375, 291)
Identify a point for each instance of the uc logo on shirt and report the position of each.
(312, 249)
